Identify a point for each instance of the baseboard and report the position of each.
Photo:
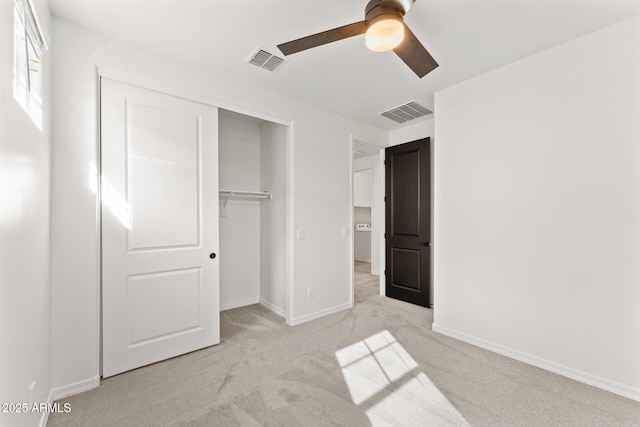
(79, 387)
(277, 310)
(319, 314)
(237, 304)
(575, 374)
(44, 418)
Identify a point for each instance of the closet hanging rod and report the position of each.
(233, 194)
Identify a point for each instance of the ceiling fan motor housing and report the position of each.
(378, 10)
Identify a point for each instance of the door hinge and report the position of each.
(385, 235)
(385, 198)
(385, 163)
(385, 271)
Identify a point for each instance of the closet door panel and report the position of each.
(160, 279)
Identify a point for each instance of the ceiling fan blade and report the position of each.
(324, 37)
(414, 54)
(405, 4)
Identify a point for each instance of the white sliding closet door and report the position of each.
(160, 277)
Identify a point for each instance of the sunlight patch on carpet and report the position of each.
(384, 379)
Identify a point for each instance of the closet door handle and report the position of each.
(212, 255)
(425, 243)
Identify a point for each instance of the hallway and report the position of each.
(365, 284)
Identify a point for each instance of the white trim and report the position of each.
(289, 228)
(352, 257)
(98, 218)
(382, 212)
(44, 418)
(319, 314)
(237, 304)
(277, 310)
(75, 388)
(548, 365)
(28, 95)
(377, 212)
(136, 80)
(39, 28)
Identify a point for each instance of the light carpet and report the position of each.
(376, 364)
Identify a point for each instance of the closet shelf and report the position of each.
(233, 194)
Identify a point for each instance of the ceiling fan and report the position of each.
(385, 29)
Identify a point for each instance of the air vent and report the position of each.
(404, 113)
(265, 60)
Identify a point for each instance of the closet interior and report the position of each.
(252, 193)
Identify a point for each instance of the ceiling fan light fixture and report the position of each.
(384, 32)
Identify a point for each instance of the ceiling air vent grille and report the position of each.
(265, 60)
(404, 113)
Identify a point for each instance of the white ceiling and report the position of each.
(466, 37)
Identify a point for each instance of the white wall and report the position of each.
(74, 240)
(537, 211)
(423, 129)
(273, 233)
(25, 297)
(321, 157)
(239, 169)
(362, 188)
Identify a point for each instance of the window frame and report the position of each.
(29, 45)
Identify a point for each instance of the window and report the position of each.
(28, 45)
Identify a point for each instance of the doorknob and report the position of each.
(212, 255)
(425, 243)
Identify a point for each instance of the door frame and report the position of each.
(136, 80)
(377, 213)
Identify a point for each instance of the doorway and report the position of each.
(252, 165)
(362, 216)
(367, 220)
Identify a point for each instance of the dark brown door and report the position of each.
(408, 221)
